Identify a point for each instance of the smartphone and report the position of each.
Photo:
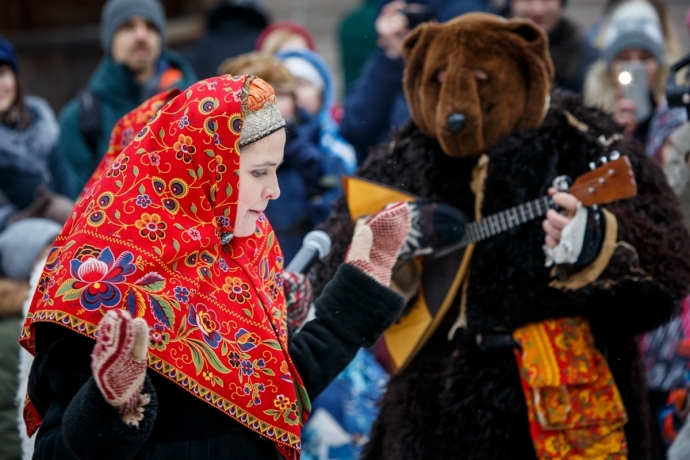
(417, 13)
(633, 80)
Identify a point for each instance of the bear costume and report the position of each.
(460, 397)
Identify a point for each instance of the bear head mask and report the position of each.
(475, 79)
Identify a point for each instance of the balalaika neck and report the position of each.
(500, 222)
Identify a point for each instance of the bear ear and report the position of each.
(532, 34)
(417, 37)
(535, 39)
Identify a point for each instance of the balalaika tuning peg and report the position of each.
(562, 183)
(592, 165)
(603, 160)
(615, 155)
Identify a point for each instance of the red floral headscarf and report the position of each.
(146, 237)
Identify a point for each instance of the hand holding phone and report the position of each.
(633, 81)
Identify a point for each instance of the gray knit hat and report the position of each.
(117, 12)
(22, 242)
(634, 24)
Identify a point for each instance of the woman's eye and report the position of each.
(258, 174)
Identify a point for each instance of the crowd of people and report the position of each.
(49, 165)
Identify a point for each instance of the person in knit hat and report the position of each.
(634, 35)
(135, 66)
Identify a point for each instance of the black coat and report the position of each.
(78, 423)
(455, 401)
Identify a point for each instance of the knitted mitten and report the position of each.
(376, 244)
(118, 363)
(298, 297)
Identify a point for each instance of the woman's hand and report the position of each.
(554, 223)
(376, 244)
(118, 363)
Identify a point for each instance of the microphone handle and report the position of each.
(303, 260)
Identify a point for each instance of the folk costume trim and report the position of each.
(574, 407)
(593, 271)
(146, 237)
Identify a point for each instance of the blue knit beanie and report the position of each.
(634, 24)
(117, 12)
(8, 55)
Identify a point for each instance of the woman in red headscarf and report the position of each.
(159, 324)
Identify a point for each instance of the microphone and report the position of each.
(316, 244)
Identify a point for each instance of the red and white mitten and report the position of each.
(376, 244)
(118, 363)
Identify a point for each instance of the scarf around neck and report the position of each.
(146, 237)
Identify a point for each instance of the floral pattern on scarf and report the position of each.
(146, 237)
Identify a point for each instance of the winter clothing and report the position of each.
(117, 12)
(315, 158)
(571, 55)
(22, 242)
(375, 103)
(301, 68)
(509, 287)
(330, 141)
(118, 93)
(634, 24)
(28, 159)
(284, 26)
(600, 91)
(470, 391)
(246, 340)
(9, 55)
(343, 414)
(10, 445)
(231, 30)
(677, 170)
(357, 40)
(176, 423)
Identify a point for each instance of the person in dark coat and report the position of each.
(135, 66)
(375, 104)
(571, 54)
(174, 236)
(232, 29)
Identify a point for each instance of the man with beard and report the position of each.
(135, 66)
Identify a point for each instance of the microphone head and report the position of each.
(319, 241)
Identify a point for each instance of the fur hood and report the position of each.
(600, 88)
(28, 150)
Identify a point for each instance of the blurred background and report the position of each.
(57, 41)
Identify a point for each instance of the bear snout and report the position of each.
(456, 121)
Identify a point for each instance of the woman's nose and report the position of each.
(272, 192)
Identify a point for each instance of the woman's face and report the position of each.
(259, 162)
(8, 88)
(640, 56)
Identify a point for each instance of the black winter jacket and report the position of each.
(78, 423)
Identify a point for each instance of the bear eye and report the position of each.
(480, 75)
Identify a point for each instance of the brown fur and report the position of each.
(454, 400)
(514, 53)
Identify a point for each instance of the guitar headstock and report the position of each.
(612, 181)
